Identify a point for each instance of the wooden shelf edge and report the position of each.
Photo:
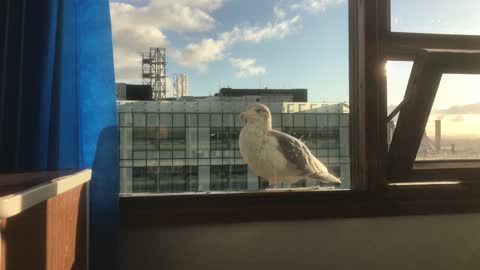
(58, 183)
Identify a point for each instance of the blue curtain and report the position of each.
(57, 102)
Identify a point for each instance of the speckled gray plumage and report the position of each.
(275, 155)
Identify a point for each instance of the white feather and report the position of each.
(259, 147)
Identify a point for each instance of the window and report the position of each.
(451, 132)
(392, 188)
(435, 16)
(228, 177)
(188, 141)
(431, 96)
(454, 122)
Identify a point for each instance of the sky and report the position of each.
(238, 43)
(286, 44)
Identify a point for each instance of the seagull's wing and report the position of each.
(298, 154)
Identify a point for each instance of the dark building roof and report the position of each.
(138, 92)
(298, 95)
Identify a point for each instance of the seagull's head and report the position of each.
(258, 115)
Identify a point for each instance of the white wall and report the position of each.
(403, 243)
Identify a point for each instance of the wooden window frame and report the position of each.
(446, 54)
(372, 193)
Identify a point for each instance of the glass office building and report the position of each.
(192, 146)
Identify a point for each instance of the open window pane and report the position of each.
(436, 16)
(453, 128)
(181, 132)
(398, 73)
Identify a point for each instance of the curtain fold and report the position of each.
(57, 102)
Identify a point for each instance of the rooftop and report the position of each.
(299, 94)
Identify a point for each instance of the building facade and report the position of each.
(192, 146)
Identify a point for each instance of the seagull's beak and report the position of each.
(244, 116)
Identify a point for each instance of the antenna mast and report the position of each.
(154, 72)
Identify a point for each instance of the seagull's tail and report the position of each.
(326, 178)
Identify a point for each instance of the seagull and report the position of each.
(277, 156)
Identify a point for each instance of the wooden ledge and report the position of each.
(21, 191)
(446, 164)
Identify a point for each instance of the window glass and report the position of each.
(192, 178)
(178, 154)
(216, 178)
(165, 138)
(398, 73)
(203, 142)
(152, 139)
(165, 120)
(228, 120)
(333, 120)
(436, 16)
(139, 179)
(276, 120)
(216, 120)
(151, 179)
(238, 121)
(322, 120)
(166, 155)
(287, 120)
(214, 67)
(179, 182)
(344, 120)
(310, 137)
(142, 155)
(152, 119)
(203, 120)
(310, 120)
(179, 120)
(178, 138)
(125, 119)
(299, 120)
(192, 120)
(453, 127)
(139, 138)
(192, 142)
(139, 119)
(238, 180)
(165, 174)
(126, 143)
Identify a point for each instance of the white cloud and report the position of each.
(396, 20)
(208, 5)
(314, 6)
(283, 7)
(176, 17)
(247, 67)
(257, 34)
(136, 28)
(279, 12)
(199, 55)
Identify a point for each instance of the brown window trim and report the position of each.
(403, 46)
